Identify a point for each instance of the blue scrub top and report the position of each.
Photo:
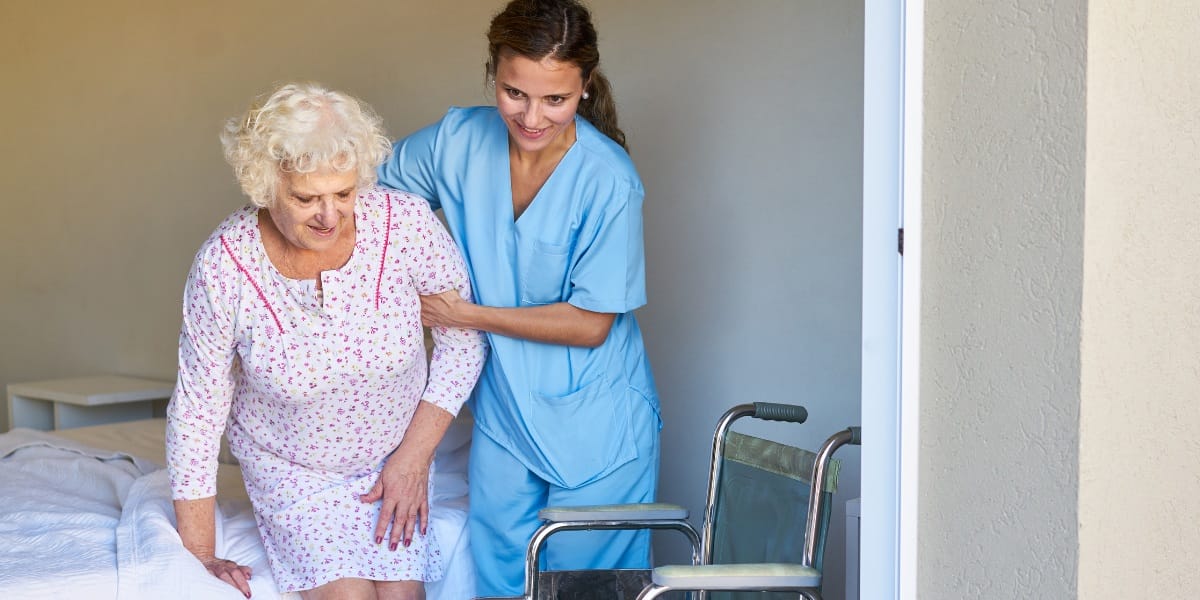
(562, 411)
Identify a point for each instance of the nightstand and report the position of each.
(82, 401)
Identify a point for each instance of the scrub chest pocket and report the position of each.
(544, 272)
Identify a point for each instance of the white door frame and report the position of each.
(892, 121)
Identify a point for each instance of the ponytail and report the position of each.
(600, 109)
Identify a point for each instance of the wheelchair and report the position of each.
(756, 488)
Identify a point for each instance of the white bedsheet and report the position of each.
(86, 523)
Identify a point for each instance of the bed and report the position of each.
(87, 513)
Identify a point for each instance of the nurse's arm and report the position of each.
(560, 323)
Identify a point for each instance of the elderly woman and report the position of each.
(302, 331)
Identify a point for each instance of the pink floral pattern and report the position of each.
(318, 388)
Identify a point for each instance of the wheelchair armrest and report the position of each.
(656, 511)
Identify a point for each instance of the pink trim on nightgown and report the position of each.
(225, 244)
(387, 234)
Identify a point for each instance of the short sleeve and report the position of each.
(411, 167)
(609, 273)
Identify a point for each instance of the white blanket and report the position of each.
(79, 522)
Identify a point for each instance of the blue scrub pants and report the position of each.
(506, 496)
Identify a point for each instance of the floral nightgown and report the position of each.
(318, 388)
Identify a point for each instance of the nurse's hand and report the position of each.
(403, 490)
(441, 310)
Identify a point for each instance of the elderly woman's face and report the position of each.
(313, 210)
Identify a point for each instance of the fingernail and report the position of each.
(407, 541)
(378, 540)
(394, 546)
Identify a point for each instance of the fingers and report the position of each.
(239, 580)
(405, 523)
(439, 310)
(232, 573)
(374, 495)
(401, 532)
(386, 511)
(424, 516)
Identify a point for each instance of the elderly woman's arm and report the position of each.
(457, 359)
(196, 521)
(197, 413)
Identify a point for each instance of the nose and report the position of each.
(532, 116)
(327, 212)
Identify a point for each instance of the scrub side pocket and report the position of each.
(586, 434)
(543, 273)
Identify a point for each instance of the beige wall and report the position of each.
(1139, 489)
(111, 166)
(1001, 281)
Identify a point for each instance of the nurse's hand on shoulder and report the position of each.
(443, 310)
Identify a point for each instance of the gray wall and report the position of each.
(746, 122)
(744, 119)
(1001, 286)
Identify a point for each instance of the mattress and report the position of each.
(86, 512)
(146, 439)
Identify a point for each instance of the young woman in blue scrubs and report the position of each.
(540, 194)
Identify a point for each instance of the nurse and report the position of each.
(540, 194)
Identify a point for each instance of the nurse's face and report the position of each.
(537, 100)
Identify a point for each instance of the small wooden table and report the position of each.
(82, 401)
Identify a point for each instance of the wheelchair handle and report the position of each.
(855, 436)
(771, 411)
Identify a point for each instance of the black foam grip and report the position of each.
(772, 411)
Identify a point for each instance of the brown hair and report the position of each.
(560, 30)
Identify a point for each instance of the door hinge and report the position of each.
(900, 240)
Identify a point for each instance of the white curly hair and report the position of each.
(303, 128)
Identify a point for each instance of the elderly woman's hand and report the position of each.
(403, 488)
(230, 572)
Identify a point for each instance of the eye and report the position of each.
(555, 100)
(344, 195)
(514, 94)
(304, 199)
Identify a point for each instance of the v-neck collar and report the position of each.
(513, 218)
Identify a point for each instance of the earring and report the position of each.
(586, 96)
